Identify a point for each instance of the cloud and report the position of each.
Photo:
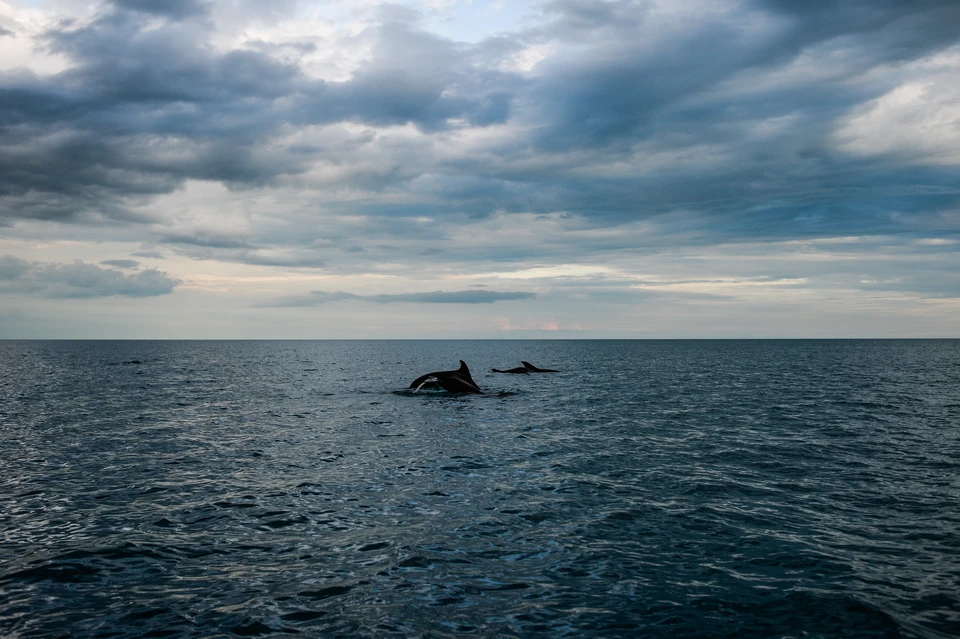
(226, 249)
(80, 279)
(13, 268)
(316, 298)
(453, 297)
(626, 135)
(176, 9)
(730, 114)
(121, 263)
(207, 240)
(157, 255)
(146, 106)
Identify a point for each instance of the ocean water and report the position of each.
(649, 489)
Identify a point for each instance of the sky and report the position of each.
(479, 169)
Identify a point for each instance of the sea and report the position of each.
(675, 488)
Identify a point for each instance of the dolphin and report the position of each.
(521, 370)
(458, 381)
(533, 369)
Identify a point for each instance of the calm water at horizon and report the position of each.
(767, 488)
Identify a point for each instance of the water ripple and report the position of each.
(655, 489)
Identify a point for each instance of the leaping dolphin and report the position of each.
(533, 369)
(458, 381)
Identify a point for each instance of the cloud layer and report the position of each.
(316, 298)
(634, 111)
(80, 279)
(364, 141)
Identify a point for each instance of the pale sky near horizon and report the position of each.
(477, 168)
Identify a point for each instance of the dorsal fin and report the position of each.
(466, 372)
(537, 369)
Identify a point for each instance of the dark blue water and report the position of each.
(650, 489)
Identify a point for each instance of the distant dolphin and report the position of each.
(533, 369)
(520, 370)
(458, 381)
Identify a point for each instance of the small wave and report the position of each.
(330, 591)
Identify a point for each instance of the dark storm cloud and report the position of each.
(80, 279)
(730, 127)
(614, 82)
(608, 89)
(144, 109)
(613, 92)
(316, 298)
(895, 29)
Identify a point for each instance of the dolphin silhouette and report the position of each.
(458, 381)
(520, 370)
(533, 369)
